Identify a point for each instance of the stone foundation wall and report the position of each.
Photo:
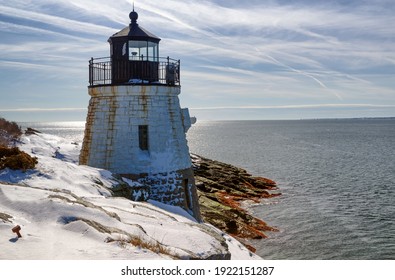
(175, 188)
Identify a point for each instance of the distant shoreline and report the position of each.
(25, 124)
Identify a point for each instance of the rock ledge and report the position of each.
(221, 189)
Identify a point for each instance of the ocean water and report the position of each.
(337, 179)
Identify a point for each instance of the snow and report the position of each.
(138, 81)
(66, 211)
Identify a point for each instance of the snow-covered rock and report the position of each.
(67, 211)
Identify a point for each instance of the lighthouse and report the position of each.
(135, 126)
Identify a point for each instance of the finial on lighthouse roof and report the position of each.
(133, 15)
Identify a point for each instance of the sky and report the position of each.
(275, 59)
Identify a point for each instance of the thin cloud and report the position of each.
(299, 72)
(42, 109)
(305, 106)
(56, 21)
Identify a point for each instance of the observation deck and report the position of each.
(140, 70)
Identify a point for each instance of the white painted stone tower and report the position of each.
(135, 126)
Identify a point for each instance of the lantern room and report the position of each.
(134, 58)
(142, 45)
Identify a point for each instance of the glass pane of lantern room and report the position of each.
(138, 50)
(153, 53)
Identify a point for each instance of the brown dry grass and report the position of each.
(14, 158)
(153, 246)
(9, 132)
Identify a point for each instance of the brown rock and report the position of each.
(222, 187)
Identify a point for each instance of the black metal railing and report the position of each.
(107, 71)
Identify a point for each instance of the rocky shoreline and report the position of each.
(222, 188)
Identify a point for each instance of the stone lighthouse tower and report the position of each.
(135, 126)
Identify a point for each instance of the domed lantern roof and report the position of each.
(134, 42)
(134, 31)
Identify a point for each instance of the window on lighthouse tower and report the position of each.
(143, 137)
